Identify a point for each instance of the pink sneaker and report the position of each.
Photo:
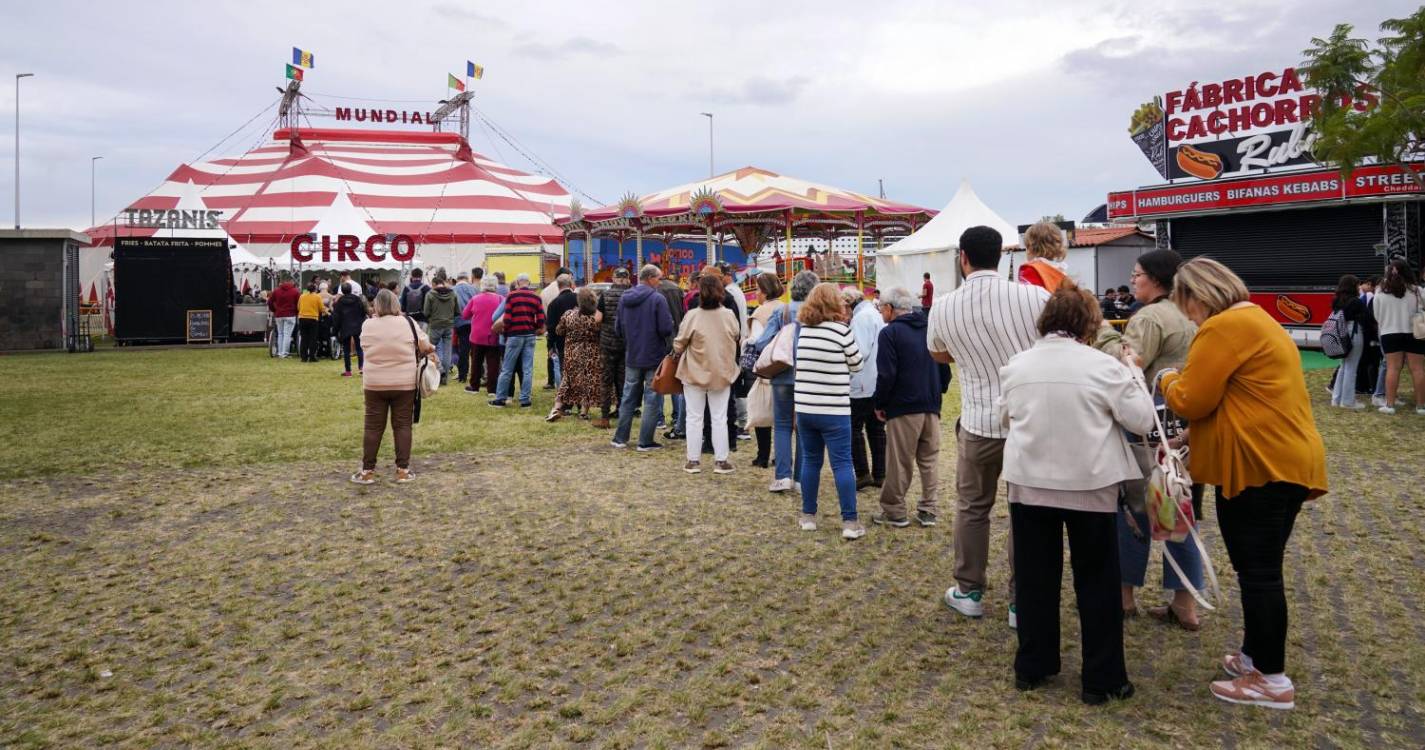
(1233, 666)
(1252, 689)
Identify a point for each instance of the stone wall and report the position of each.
(31, 299)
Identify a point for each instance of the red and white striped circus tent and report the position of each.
(456, 204)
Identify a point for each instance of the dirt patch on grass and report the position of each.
(582, 595)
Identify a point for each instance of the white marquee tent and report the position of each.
(933, 247)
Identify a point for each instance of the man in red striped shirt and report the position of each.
(523, 315)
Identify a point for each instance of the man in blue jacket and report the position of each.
(908, 391)
(645, 324)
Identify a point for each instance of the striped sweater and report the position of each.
(524, 313)
(826, 356)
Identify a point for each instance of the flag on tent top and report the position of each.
(474, 71)
(294, 73)
(303, 58)
(454, 83)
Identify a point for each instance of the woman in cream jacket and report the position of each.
(1067, 405)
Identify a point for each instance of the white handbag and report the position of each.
(1170, 493)
(780, 354)
(1417, 321)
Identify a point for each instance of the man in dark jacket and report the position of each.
(283, 305)
(611, 345)
(563, 302)
(413, 297)
(348, 315)
(645, 324)
(907, 397)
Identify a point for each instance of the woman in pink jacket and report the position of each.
(484, 343)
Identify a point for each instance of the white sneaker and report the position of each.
(780, 485)
(797, 487)
(1420, 410)
(1386, 410)
(852, 530)
(807, 522)
(1377, 400)
(966, 604)
(1356, 406)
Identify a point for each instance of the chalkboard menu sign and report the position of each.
(200, 325)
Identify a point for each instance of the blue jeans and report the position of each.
(1344, 392)
(784, 407)
(638, 383)
(518, 350)
(442, 338)
(1133, 556)
(556, 367)
(831, 432)
(680, 414)
(285, 326)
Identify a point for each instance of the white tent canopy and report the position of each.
(932, 248)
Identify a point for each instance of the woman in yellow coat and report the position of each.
(1253, 436)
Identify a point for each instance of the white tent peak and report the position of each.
(342, 218)
(943, 232)
(931, 249)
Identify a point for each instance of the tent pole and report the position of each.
(638, 247)
(788, 254)
(860, 250)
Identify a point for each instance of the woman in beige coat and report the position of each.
(707, 343)
(394, 346)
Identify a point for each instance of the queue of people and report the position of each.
(1055, 401)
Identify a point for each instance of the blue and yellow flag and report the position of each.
(474, 71)
(303, 58)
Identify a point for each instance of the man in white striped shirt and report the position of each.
(980, 325)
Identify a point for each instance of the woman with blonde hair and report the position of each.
(1044, 257)
(1253, 436)
(826, 355)
(394, 345)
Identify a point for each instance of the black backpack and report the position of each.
(414, 298)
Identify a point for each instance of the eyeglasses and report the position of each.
(1133, 276)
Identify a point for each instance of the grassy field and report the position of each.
(183, 564)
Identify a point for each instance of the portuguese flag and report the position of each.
(454, 83)
(294, 73)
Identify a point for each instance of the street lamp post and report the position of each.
(18, 76)
(92, 161)
(710, 142)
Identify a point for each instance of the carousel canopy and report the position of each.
(750, 193)
(428, 185)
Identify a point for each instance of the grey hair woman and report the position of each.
(393, 346)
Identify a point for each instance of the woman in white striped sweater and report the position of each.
(826, 355)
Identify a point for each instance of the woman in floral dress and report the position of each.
(582, 385)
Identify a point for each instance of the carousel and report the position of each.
(762, 211)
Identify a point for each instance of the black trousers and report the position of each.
(764, 444)
(1256, 525)
(866, 428)
(463, 350)
(307, 332)
(1368, 369)
(613, 379)
(1039, 568)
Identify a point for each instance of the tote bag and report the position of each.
(759, 404)
(781, 354)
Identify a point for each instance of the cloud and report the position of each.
(579, 45)
(457, 13)
(760, 91)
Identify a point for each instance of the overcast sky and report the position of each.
(1030, 101)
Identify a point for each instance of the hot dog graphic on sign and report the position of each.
(1236, 126)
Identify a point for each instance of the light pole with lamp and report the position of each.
(18, 76)
(92, 161)
(710, 142)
